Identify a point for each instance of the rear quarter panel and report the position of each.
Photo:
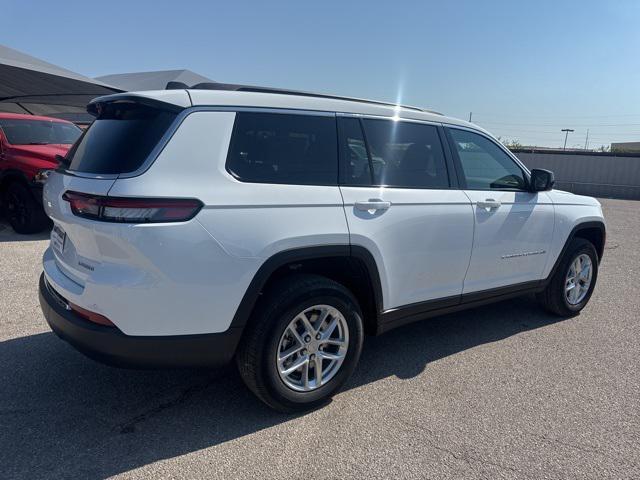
(246, 223)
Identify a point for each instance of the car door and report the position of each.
(513, 226)
(400, 206)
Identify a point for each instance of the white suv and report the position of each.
(199, 225)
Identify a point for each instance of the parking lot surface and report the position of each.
(503, 391)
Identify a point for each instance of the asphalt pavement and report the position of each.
(503, 391)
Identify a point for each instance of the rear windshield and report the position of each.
(120, 139)
(39, 132)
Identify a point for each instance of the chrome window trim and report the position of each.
(387, 117)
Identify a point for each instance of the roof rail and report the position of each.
(282, 91)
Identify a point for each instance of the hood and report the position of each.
(561, 197)
(40, 152)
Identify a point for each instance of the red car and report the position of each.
(28, 148)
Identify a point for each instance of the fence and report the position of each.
(613, 175)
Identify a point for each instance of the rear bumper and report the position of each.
(109, 345)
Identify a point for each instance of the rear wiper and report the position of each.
(38, 143)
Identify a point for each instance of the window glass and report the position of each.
(39, 132)
(284, 148)
(354, 160)
(120, 139)
(484, 164)
(405, 154)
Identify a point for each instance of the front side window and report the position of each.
(405, 154)
(485, 165)
(284, 148)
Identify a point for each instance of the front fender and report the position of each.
(569, 221)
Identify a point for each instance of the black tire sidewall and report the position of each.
(36, 219)
(281, 320)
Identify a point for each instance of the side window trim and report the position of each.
(452, 171)
(342, 149)
(458, 164)
(462, 181)
(366, 147)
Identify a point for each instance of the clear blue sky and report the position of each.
(526, 69)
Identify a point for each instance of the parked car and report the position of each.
(274, 228)
(28, 148)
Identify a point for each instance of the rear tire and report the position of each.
(314, 297)
(568, 292)
(22, 211)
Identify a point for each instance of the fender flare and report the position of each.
(280, 259)
(572, 234)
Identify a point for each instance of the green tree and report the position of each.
(510, 144)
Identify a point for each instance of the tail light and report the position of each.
(132, 210)
(91, 316)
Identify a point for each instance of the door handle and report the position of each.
(372, 204)
(489, 204)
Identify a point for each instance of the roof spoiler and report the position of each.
(96, 106)
(176, 86)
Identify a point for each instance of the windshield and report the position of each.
(39, 132)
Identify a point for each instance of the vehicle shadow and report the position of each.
(8, 235)
(63, 415)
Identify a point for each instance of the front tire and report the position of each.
(573, 282)
(302, 344)
(22, 211)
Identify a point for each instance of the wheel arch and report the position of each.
(12, 175)
(352, 266)
(594, 231)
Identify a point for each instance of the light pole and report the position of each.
(586, 140)
(566, 130)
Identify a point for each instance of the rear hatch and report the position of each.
(127, 134)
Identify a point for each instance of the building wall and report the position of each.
(595, 175)
(626, 147)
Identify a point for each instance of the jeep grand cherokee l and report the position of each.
(193, 227)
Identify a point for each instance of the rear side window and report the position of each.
(405, 154)
(284, 148)
(120, 139)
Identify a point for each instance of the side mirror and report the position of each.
(541, 180)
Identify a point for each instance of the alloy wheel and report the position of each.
(312, 348)
(17, 210)
(578, 279)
